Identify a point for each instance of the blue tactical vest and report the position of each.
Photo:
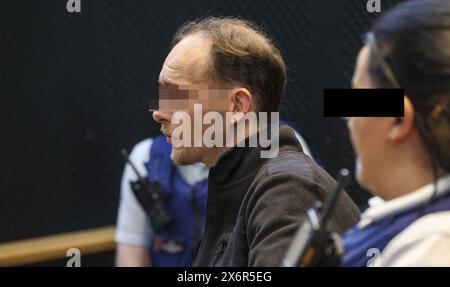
(357, 241)
(187, 204)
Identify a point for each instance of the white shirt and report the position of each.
(133, 225)
(426, 242)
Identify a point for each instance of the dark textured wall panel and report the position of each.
(74, 90)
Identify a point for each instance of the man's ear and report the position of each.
(401, 128)
(241, 102)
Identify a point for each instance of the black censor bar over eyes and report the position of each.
(363, 103)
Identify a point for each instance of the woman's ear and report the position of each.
(403, 127)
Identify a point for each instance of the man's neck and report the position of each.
(210, 158)
(212, 155)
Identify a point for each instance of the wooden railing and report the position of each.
(52, 247)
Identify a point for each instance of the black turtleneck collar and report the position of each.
(239, 162)
(228, 182)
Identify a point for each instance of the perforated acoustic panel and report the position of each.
(74, 90)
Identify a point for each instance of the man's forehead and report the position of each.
(171, 76)
(186, 61)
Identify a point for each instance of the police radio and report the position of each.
(314, 244)
(151, 198)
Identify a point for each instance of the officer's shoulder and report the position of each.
(423, 243)
(141, 150)
(431, 224)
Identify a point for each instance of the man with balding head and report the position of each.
(220, 94)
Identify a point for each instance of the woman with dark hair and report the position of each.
(405, 161)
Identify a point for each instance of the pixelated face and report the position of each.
(174, 98)
(182, 84)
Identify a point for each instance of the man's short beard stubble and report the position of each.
(185, 155)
